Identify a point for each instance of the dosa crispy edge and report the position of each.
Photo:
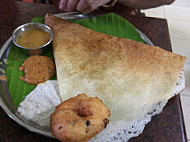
(130, 77)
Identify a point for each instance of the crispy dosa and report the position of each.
(129, 76)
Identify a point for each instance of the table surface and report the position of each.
(165, 127)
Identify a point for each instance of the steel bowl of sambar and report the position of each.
(33, 38)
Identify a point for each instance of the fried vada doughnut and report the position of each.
(79, 118)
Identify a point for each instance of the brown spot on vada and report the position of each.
(87, 122)
(79, 118)
(106, 121)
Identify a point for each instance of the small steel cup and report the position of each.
(28, 26)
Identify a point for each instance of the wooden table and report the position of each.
(165, 127)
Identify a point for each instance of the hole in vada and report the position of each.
(84, 109)
(83, 112)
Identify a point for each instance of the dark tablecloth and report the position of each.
(165, 127)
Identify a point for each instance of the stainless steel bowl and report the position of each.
(29, 26)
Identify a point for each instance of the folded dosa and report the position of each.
(130, 77)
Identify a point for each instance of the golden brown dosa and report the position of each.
(127, 75)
